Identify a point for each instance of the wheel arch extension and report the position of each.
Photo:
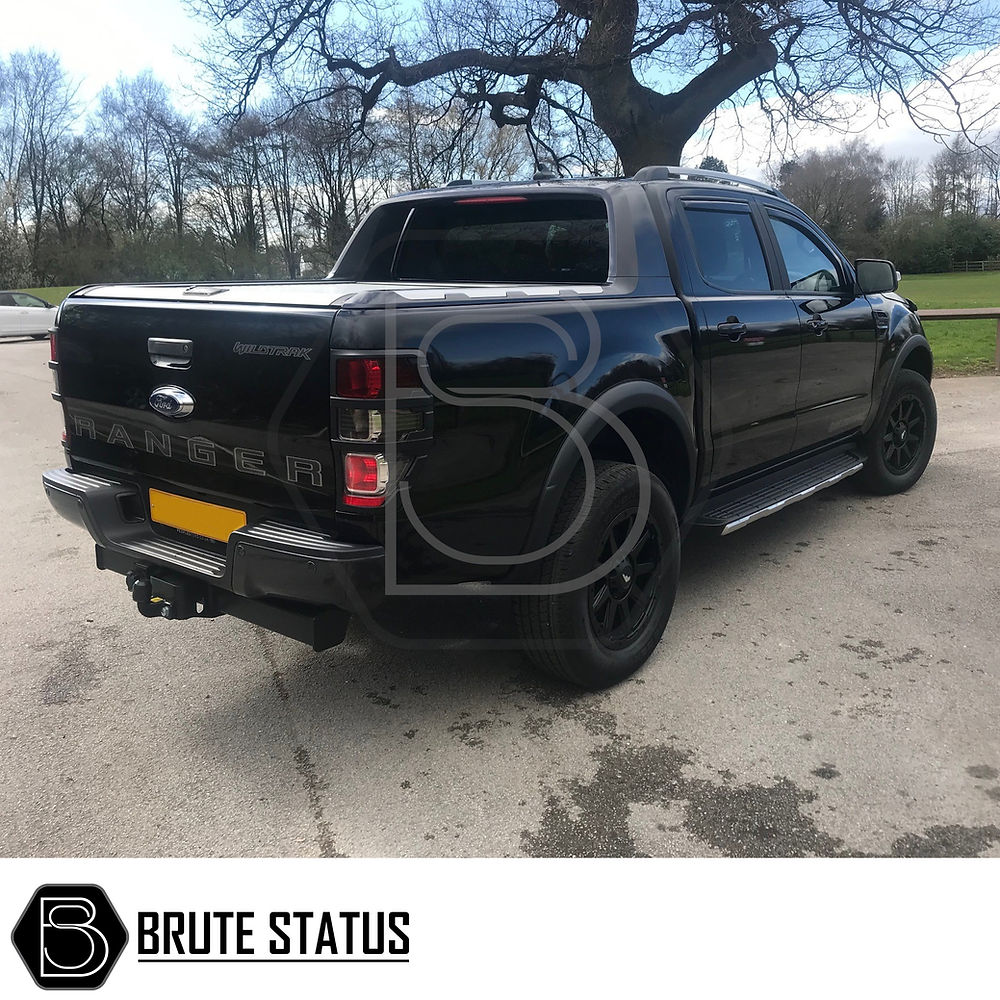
(915, 355)
(661, 428)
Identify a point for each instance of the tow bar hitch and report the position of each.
(161, 594)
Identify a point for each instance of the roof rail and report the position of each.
(664, 173)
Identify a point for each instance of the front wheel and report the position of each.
(603, 631)
(900, 443)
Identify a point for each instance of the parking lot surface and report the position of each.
(829, 684)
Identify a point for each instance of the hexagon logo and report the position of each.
(69, 937)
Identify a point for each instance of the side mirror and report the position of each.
(876, 276)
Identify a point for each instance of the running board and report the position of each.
(736, 509)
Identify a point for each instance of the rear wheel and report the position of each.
(600, 633)
(900, 443)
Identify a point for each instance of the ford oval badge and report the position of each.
(172, 401)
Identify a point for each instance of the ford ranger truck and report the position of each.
(537, 386)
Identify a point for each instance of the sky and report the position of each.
(99, 39)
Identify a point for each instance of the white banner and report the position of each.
(501, 928)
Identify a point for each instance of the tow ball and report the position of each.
(161, 594)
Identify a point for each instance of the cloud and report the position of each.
(742, 137)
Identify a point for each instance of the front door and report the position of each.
(749, 337)
(838, 333)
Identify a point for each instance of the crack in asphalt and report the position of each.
(312, 783)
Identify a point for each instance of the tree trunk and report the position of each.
(644, 126)
(642, 137)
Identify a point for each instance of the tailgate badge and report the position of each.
(172, 401)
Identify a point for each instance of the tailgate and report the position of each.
(256, 380)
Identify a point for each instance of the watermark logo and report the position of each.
(69, 937)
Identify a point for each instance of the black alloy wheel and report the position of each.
(904, 433)
(620, 602)
(601, 631)
(899, 444)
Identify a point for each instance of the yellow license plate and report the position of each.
(206, 519)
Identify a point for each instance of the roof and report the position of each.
(644, 176)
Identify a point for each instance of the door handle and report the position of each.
(732, 329)
(166, 353)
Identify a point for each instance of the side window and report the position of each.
(728, 247)
(22, 299)
(810, 266)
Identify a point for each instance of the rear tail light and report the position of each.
(365, 378)
(365, 480)
(359, 378)
(370, 425)
(53, 361)
(360, 425)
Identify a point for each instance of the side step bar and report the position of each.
(737, 508)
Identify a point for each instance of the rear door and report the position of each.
(838, 331)
(748, 333)
(36, 315)
(10, 316)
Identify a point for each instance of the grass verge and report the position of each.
(961, 347)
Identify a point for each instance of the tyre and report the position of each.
(602, 632)
(899, 444)
(39, 336)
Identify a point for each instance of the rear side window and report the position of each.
(728, 248)
(513, 240)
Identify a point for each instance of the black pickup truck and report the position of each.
(542, 386)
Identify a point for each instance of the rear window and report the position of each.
(727, 246)
(513, 239)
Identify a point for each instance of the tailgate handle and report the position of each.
(170, 353)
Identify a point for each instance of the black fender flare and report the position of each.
(619, 400)
(914, 342)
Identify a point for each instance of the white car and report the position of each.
(24, 315)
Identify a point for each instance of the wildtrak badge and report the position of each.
(273, 350)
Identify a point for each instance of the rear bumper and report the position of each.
(264, 561)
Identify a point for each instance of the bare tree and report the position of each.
(651, 71)
(956, 179)
(903, 187)
(127, 119)
(40, 108)
(176, 137)
(989, 156)
(230, 195)
(435, 143)
(278, 168)
(342, 172)
(842, 189)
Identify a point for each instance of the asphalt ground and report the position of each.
(829, 684)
